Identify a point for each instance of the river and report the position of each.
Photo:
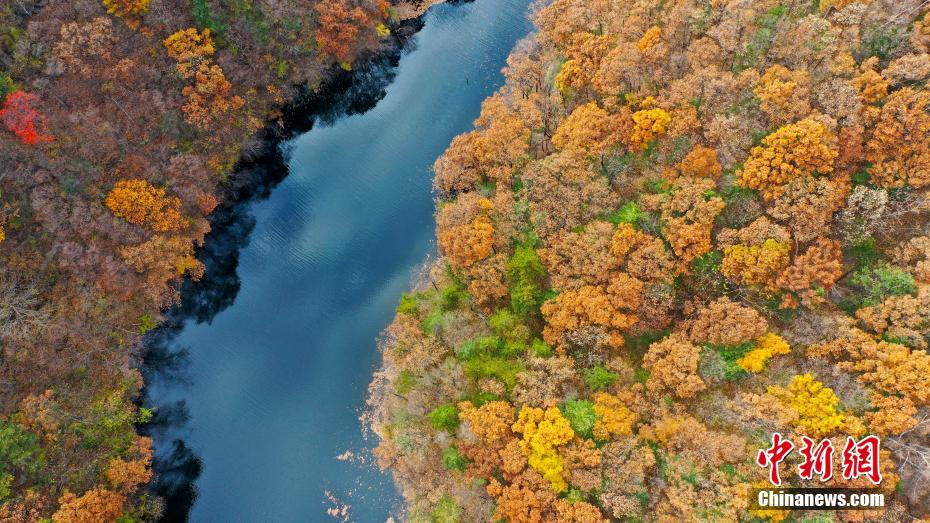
(260, 377)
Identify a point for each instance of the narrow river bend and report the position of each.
(256, 401)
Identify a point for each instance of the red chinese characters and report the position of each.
(817, 460)
(774, 455)
(860, 458)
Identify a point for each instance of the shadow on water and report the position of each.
(344, 94)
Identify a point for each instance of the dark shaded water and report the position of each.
(260, 377)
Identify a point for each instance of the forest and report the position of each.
(120, 123)
(681, 227)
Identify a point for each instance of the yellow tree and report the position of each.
(141, 203)
(794, 150)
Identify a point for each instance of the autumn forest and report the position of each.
(679, 228)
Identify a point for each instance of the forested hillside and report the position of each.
(680, 227)
(119, 122)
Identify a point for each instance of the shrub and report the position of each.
(541, 348)
(447, 511)
(599, 378)
(525, 273)
(878, 283)
(581, 416)
(452, 459)
(405, 382)
(408, 304)
(444, 417)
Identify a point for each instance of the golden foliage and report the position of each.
(755, 264)
(609, 308)
(96, 505)
(467, 244)
(783, 93)
(141, 203)
(190, 47)
(688, 213)
(814, 403)
(872, 87)
(767, 346)
(893, 415)
(648, 124)
(590, 130)
(126, 8)
(887, 367)
(209, 97)
(652, 37)
(126, 476)
(614, 418)
(899, 148)
(814, 272)
(701, 162)
(542, 432)
(794, 150)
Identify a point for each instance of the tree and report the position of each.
(610, 310)
(813, 273)
(649, 124)
(525, 273)
(701, 162)
(95, 505)
(725, 322)
(465, 245)
(141, 203)
(672, 364)
(783, 93)
(688, 211)
(128, 9)
(591, 131)
(899, 147)
(490, 422)
(20, 116)
(755, 264)
(794, 150)
(815, 405)
(340, 26)
(613, 417)
(190, 48)
(87, 48)
(209, 98)
(542, 431)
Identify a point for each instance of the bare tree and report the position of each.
(21, 312)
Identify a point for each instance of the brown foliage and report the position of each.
(724, 322)
(672, 364)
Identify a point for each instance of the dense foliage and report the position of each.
(681, 226)
(119, 120)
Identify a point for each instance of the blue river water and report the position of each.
(265, 395)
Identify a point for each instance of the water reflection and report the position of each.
(261, 370)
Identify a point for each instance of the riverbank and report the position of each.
(674, 232)
(120, 129)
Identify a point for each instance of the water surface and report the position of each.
(264, 391)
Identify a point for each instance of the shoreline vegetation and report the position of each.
(680, 227)
(123, 122)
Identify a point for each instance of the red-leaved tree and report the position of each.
(21, 118)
